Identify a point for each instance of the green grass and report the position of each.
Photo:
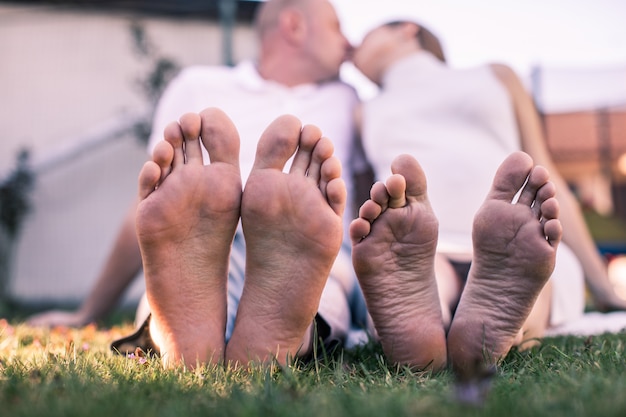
(64, 372)
(605, 229)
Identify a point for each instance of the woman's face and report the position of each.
(372, 56)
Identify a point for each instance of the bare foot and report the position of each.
(514, 254)
(393, 250)
(293, 229)
(186, 222)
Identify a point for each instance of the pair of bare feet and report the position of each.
(292, 224)
(394, 243)
(186, 221)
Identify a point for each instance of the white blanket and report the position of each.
(592, 323)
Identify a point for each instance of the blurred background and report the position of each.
(79, 81)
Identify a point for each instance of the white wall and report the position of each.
(67, 84)
(62, 71)
(77, 207)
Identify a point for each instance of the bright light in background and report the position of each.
(621, 164)
(617, 275)
(522, 34)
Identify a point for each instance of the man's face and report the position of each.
(326, 45)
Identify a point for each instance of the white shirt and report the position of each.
(253, 103)
(459, 125)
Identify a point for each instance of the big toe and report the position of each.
(410, 169)
(219, 136)
(510, 176)
(278, 143)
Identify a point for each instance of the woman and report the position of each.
(461, 124)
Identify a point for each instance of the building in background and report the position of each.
(584, 116)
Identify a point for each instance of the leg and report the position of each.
(185, 225)
(449, 286)
(293, 229)
(538, 320)
(394, 242)
(514, 252)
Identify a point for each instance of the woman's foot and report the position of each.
(514, 253)
(393, 250)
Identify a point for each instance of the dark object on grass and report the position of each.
(474, 387)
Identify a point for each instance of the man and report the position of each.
(301, 50)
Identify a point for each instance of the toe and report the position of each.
(379, 195)
(396, 187)
(370, 210)
(319, 170)
(359, 228)
(190, 126)
(545, 194)
(537, 179)
(324, 167)
(303, 159)
(553, 231)
(550, 209)
(278, 143)
(552, 228)
(174, 136)
(220, 136)
(164, 156)
(336, 195)
(331, 184)
(510, 177)
(410, 169)
(148, 179)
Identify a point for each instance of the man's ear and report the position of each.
(292, 25)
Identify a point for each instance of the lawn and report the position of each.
(70, 372)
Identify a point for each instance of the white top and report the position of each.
(253, 103)
(459, 124)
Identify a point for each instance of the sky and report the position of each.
(580, 34)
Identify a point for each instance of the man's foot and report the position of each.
(393, 250)
(514, 254)
(186, 222)
(293, 229)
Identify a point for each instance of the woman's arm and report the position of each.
(575, 232)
